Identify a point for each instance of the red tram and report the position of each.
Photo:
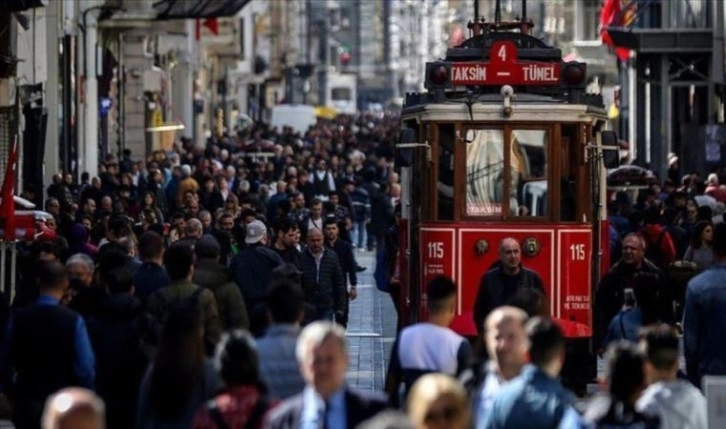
(505, 142)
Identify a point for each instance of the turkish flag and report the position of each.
(213, 25)
(613, 14)
(7, 207)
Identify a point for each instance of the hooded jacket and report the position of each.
(209, 274)
(678, 404)
(652, 234)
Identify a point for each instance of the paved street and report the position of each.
(371, 330)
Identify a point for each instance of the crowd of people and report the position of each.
(170, 279)
(209, 287)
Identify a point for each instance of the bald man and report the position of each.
(323, 280)
(74, 408)
(504, 283)
(506, 344)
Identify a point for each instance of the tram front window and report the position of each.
(529, 172)
(484, 172)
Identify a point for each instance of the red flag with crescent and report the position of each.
(7, 207)
(616, 13)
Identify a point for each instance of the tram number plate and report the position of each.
(437, 255)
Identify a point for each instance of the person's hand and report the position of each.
(352, 294)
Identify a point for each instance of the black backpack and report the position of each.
(653, 251)
(152, 326)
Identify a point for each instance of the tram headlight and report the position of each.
(574, 74)
(438, 75)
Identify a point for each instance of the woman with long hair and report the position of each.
(625, 381)
(180, 379)
(148, 204)
(244, 402)
(438, 401)
(210, 197)
(231, 206)
(701, 249)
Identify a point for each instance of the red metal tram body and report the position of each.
(505, 142)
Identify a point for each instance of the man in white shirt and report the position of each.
(429, 346)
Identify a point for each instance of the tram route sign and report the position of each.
(504, 69)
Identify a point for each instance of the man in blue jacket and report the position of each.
(704, 317)
(535, 399)
(46, 348)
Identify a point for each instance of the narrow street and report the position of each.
(371, 331)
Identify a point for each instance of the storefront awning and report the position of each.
(191, 9)
(21, 5)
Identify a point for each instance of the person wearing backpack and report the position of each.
(659, 248)
(244, 403)
(635, 314)
(179, 264)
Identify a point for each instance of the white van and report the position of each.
(299, 117)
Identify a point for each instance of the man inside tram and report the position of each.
(501, 284)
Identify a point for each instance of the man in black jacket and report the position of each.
(632, 271)
(323, 280)
(253, 266)
(501, 284)
(344, 251)
(116, 339)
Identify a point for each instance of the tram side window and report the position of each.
(484, 172)
(529, 166)
(445, 184)
(569, 161)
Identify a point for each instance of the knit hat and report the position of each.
(712, 179)
(672, 159)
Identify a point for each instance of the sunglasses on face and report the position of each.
(447, 414)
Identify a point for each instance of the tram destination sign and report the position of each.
(504, 69)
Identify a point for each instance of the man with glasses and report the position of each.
(632, 268)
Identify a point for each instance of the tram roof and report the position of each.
(522, 111)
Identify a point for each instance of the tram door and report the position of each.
(413, 155)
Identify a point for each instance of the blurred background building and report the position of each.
(81, 80)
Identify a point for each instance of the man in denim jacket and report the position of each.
(704, 316)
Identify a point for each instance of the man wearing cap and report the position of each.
(214, 276)
(252, 267)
